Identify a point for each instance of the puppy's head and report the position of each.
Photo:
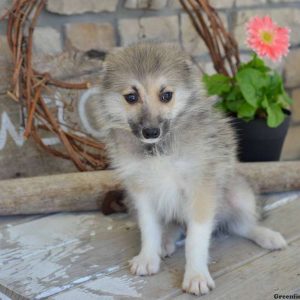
(146, 87)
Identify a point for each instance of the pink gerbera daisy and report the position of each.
(267, 39)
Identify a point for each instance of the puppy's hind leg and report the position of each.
(243, 220)
(171, 234)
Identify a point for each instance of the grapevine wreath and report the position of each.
(28, 86)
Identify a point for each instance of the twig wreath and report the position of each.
(28, 85)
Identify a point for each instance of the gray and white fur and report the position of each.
(176, 158)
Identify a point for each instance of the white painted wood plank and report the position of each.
(79, 294)
(61, 251)
(275, 200)
(297, 290)
(53, 251)
(9, 221)
(228, 253)
(116, 287)
(273, 273)
(4, 297)
(11, 295)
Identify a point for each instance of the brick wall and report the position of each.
(69, 28)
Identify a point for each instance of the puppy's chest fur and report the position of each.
(165, 180)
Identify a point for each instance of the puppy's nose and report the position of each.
(151, 133)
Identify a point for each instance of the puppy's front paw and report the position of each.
(197, 283)
(144, 265)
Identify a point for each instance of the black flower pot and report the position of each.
(257, 141)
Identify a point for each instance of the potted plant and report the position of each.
(254, 96)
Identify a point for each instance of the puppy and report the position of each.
(176, 155)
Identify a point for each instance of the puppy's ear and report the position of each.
(96, 54)
(194, 68)
(105, 81)
(116, 50)
(113, 53)
(104, 68)
(111, 56)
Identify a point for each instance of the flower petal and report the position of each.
(274, 47)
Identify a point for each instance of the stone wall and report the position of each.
(68, 29)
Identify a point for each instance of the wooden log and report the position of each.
(54, 193)
(273, 176)
(86, 191)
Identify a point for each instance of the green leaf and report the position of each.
(246, 111)
(234, 94)
(275, 115)
(287, 99)
(221, 106)
(256, 63)
(259, 64)
(217, 84)
(235, 104)
(285, 96)
(250, 81)
(265, 103)
(284, 101)
(274, 86)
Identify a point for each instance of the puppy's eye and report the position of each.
(166, 97)
(131, 98)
